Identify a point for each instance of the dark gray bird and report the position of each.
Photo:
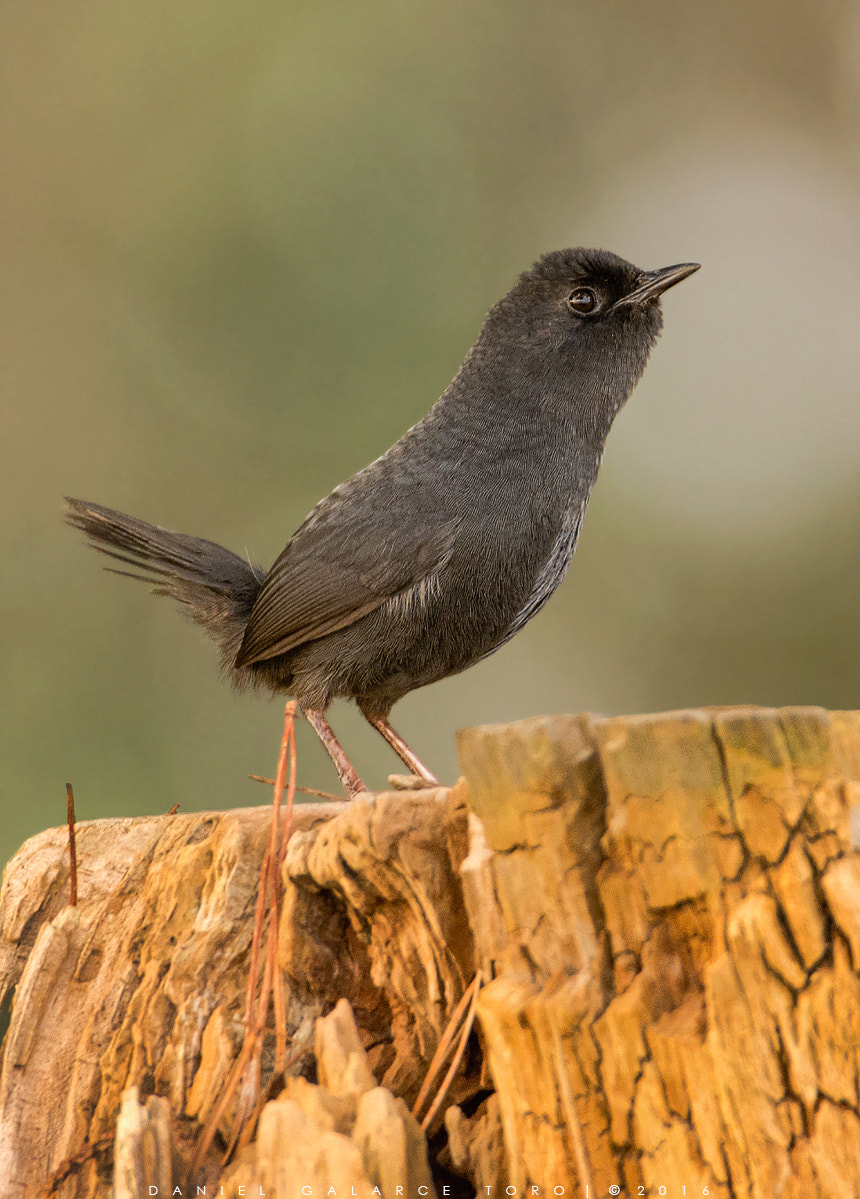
(437, 553)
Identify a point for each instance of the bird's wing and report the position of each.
(361, 545)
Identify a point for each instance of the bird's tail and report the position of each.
(216, 586)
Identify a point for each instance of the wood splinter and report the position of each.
(73, 853)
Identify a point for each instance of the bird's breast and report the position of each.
(552, 570)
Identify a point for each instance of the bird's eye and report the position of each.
(582, 300)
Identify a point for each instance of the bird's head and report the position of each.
(580, 325)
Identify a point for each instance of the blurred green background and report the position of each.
(246, 244)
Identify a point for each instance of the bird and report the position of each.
(436, 554)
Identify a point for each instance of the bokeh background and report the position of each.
(246, 243)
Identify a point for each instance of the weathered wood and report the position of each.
(665, 911)
(679, 900)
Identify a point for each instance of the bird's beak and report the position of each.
(654, 283)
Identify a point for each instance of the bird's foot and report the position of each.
(409, 782)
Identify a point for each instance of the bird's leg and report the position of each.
(352, 784)
(402, 750)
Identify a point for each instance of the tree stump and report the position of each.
(664, 911)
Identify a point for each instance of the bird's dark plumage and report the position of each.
(438, 552)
